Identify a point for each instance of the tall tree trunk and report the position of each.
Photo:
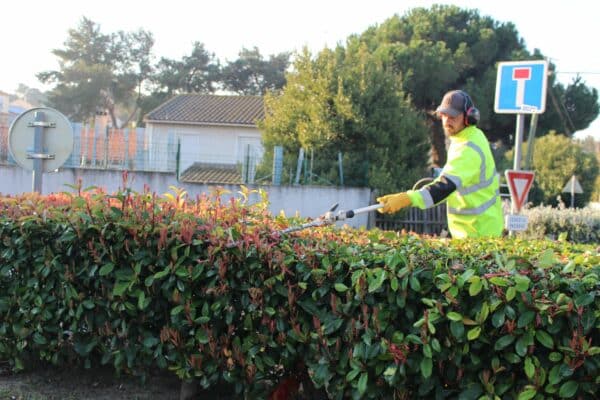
(438, 143)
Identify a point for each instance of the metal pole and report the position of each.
(277, 164)
(531, 141)
(38, 148)
(518, 141)
(517, 160)
(299, 166)
(572, 182)
(341, 168)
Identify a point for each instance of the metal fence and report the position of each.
(126, 149)
(432, 221)
(135, 150)
(114, 149)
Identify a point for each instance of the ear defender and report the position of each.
(470, 111)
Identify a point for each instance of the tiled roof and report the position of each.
(212, 173)
(209, 109)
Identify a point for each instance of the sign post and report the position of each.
(573, 187)
(519, 183)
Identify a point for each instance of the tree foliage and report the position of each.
(33, 96)
(572, 108)
(349, 103)
(445, 47)
(99, 72)
(115, 73)
(194, 73)
(251, 74)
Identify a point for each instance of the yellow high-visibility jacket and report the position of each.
(475, 208)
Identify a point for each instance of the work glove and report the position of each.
(393, 202)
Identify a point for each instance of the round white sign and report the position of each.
(57, 139)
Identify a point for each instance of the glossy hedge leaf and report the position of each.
(472, 392)
(176, 310)
(544, 338)
(565, 371)
(454, 316)
(521, 346)
(89, 304)
(474, 333)
(584, 300)
(414, 283)
(555, 356)
(476, 286)
(503, 342)
(529, 368)
(527, 394)
(362, 383)
(547, 258)
(511, 293)
(550, 388)
(427, 351)
(499, 281)
(340, 287)
(525, 319)
(498, 318)
(120, 288)
(426, 367)
(376, 280)
(162, 274)
(352, 374)
(106, 269)
(39, 339)
(521, 283)
(458, 329)
(151, 342)
(568, 389)
(554, 375)
(202, 336)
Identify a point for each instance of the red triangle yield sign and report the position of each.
(519, 183)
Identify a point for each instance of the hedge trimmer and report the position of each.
(330, 217)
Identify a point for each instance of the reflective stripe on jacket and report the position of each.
(474, 209)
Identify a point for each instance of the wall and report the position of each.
(306, 201)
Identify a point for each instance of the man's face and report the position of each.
(452, 125)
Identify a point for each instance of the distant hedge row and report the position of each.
(211, 290)
(577, 225)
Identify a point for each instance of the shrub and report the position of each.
(212, 291)
(578, 225)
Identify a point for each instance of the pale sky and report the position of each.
(565, 31)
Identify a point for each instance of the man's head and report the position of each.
(457, 111)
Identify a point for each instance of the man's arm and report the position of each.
(432, 194)
(440, 189)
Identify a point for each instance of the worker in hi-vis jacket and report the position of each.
(468, 182)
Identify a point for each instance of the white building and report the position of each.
(215, 137)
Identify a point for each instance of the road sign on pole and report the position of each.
(521, 87)
(40, 140)
(519, 183)
(573, 187)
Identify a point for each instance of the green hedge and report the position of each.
(578, 225)
(210, 290)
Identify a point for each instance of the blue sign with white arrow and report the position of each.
(521, 87)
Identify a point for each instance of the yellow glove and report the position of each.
(394, 202)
